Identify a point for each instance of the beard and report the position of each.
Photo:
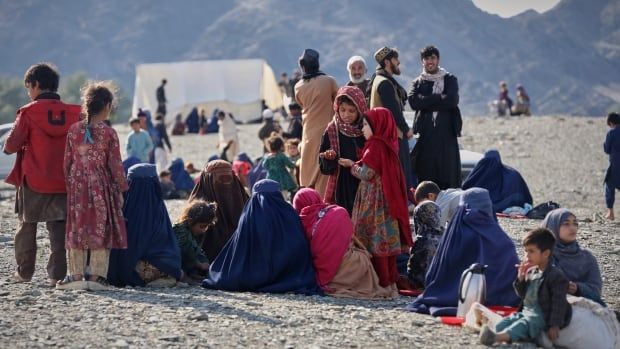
(357, 80)
(395, 70)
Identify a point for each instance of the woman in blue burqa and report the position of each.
(506, 186)
(152, 252)
(473, 236)
(268, 252)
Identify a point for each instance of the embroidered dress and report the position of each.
(95, 182)
(276, 170)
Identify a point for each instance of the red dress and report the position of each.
(95, 182)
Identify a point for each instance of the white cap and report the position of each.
(354, 59)
(267, 114)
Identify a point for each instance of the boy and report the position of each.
(542, 288)
(447, 200)
(612, 177)
(38, 137)
(139, 143)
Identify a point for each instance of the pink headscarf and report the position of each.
(329, 230)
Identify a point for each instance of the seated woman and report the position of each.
(578, 264)
(183, 182)
(473, 236)
(268, 252)
(505, 185)
(152, 252)
(343, 138)
(218, 183)
(427, 230)
(342, 265)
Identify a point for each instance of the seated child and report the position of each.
(196, 218)
(447, 200)
(190, 168)
(542, 289)
(427, 231)
(168, 190)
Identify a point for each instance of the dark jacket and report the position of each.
(551, 297)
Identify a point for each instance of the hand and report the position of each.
(522, 271)
(409, 134)
(329, 154)
(345, 162)
(553, 333)
(443, 96)
(572, 288)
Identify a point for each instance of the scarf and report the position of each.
(310, 75)
(381, 154)
(337, 125)
(437, 79)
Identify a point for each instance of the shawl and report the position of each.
(218, 183)
(329, 230)
(438, 82)
(380, 153)
(337, 125)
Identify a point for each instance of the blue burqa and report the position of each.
(149, 232)
(182, 180)
(505, 185)
(473, 236)
(268, 252)
(193, 121)
(130, 161)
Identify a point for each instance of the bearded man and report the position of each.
(357, 73)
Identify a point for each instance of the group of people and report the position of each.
(347, 220)
(506, 106)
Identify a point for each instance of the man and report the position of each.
(384, 91)
(38, 137)
(285, 85)
(315, 93)
(434, 95)
(295, 126)
(161, 98)
(357, 73)
(161, 157)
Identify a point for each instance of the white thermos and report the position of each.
(472, 288)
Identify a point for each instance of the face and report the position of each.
(534, 256)
(430, 63)
(200, 228)
(291, 150)
(33, 90)
(142, 122)
(432, 196)
(135, 126)
(568, 229)
(366, 129)
(358, 70)
(348, 113)
(394, 65)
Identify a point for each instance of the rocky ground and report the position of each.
(561, 158)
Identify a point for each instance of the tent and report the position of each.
(235, 86)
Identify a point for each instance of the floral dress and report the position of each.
(374, 227)
(276, 166)
(95, 182)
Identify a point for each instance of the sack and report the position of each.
(540, 211)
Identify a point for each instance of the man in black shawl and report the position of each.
(434, 95)
(161, 98)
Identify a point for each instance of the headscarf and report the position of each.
(192, 121)
(218, 183)
(579, 265)
(505, 185)
(329, 230)
(130, 161)
(473, 236)
(381, 154)
(149, 232)
(268, 252)
(182, 180)
(522, 92)
(427, 219)
(337, 125)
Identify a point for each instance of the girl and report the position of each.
(612, 177)
(276, 164)
(428, 231)
(343, 138)
(95, 182)
(383, 229)
(197, 217)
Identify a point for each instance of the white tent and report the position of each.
(235, 86)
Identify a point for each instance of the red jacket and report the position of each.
(38, 137)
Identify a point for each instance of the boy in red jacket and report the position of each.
(38, 137)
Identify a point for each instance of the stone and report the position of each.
(198, 316)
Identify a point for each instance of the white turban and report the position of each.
(354, 59)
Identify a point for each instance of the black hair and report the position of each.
(429, 51)
(424, 189)
(275, 144)
(164, 81)
(96, 95)
(540, 237)
(613, 119)
(198, 211)
(134, 121)
(294, 106)
(164, 173)
(45, 74)
(159, 117)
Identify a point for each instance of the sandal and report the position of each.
(70, 282)
(98, 284)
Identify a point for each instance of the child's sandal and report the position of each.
(70, 282)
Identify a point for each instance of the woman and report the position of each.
(578, 264)
(343, 267)
(218, 183)
(343, 138)
(473, 236)
(268, 252)
(183, 182)
(152, 251)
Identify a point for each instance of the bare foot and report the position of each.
(610, 215)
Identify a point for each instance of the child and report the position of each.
(166, 184)
(542, 288)
(197, 217)
(95, 182)
(292, 151)
(612, 177)
(428, 231)
(242, 167)
(447, 200)
(139, 143)
(276, 164)
(383, 228)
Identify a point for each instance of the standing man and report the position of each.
(386, 92)
(434, 95)
(357, 73)
(161, 98)
(38, 137)
(315, 93)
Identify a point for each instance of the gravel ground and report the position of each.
(561, 158)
